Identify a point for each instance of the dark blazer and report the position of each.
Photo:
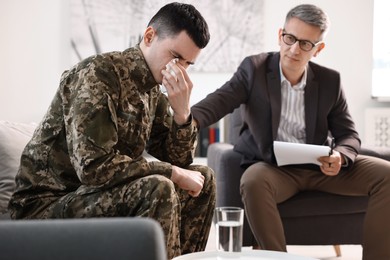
(256, 84)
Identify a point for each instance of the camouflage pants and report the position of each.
(185, 220)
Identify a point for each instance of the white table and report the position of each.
(244, 255)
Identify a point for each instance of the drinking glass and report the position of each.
(229, 224)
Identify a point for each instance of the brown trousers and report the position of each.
(263, 186)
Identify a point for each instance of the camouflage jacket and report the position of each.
(107, 110)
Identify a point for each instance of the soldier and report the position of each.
(85, 158)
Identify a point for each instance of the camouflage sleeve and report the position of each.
(92, 131)
(170, 142)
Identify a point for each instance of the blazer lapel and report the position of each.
(311, 105)
(275, 96)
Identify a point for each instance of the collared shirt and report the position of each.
(292, 118)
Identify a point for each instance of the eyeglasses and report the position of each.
(305, 45)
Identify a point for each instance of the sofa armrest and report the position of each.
(96, 238)
(226, 164)
(380, 152)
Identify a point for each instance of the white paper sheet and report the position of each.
(296, 153)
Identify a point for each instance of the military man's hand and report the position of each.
(192, 181)
(179, 87)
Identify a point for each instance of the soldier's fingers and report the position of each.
(194, 193)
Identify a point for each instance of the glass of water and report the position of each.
(229, 224)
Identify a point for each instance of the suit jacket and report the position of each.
(257, 86)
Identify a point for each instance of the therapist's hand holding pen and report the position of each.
(331, 165)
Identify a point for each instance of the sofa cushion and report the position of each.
(13, 139)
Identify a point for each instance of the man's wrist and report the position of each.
(185, 121)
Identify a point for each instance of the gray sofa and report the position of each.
(13, 137)
(87, 239)
(310, 217)
(105, 238)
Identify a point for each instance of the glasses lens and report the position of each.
(289, 39)
(305, 45)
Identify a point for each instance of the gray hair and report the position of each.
(312, 15)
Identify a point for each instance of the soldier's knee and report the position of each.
(206, 171)
(210, 180)
(165, 185)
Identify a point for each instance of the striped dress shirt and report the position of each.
(292, 119)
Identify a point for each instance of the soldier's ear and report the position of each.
(149, 35)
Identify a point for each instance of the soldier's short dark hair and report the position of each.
(175, 17)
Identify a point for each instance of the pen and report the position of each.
(332, 145)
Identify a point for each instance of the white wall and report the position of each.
(348, 47)
(35, 50)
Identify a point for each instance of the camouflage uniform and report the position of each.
(85, 158)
